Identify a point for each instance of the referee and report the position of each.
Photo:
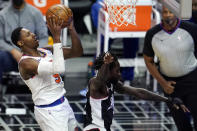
(173, 42)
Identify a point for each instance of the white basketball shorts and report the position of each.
(57, 118)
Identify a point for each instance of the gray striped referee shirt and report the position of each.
(175, 50)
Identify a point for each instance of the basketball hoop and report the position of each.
(121, 12)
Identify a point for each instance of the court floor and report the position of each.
(130, 115)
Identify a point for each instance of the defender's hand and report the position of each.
(108, 58)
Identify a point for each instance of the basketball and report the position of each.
(60, 11)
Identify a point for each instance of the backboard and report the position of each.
(181, 8)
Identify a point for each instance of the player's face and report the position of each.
(29, 38)
(168, 17)
(115, 72)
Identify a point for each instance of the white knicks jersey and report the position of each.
(45, 89)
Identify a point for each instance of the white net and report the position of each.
(121, 12)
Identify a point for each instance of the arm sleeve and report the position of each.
(3, 44)
(41, 29)
(148, 50)
(58, 58)
(55, 67)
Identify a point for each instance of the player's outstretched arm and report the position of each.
(99, 82)
(148, 95)
(104, 72)
(139, 92)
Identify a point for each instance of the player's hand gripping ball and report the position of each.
(62, 12)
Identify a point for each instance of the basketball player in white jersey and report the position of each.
(100, 100)
(40, 69)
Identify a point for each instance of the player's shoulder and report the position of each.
(26, 62)
(94, 82)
